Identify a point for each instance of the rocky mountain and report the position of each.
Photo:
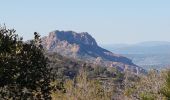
(83, 46)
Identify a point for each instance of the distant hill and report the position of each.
(153, 47)
(146, 54)
(83, 46)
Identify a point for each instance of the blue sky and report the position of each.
(108, 21)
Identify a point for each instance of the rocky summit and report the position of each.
(83, 46)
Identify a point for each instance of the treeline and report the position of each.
(27, 72)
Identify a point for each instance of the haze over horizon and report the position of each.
(109, 21)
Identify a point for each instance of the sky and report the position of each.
(108, 21)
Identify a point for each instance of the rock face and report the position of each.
(84, 47)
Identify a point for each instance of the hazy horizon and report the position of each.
(135, 43)
(109, 21)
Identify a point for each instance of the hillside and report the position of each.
(66, 68)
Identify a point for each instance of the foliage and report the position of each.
(147, 96)
(66, 68)
(145, 87)
(166, 88)
(23, 68)
(83, 88)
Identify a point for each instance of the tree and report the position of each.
(166, 89)
(84, 88)
(24, 73)
(145, 87)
